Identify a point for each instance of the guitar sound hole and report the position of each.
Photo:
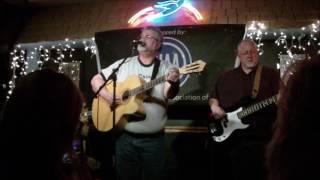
(125, 95)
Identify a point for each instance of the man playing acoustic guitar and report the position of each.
(140, 149)
(241, 156)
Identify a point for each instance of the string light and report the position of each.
(290, 42)
(28, 57)
(255, 32)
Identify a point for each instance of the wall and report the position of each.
(83, 20)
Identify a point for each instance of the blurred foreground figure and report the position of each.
(293, 151)
(38, 127)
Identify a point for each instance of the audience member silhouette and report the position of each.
(293, 152)
(39, 123)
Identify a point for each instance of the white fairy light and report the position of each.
(255, 31)
(298, 39)
(55, 51)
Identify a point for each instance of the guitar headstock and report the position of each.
(195, 67)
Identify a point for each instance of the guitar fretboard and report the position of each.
(146, 86)
(195, 67)
(256, 107)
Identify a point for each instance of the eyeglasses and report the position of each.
(148, 37)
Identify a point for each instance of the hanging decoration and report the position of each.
(255, 31)
(29, 57)
(291, 40)
(294, 42)
(71, 69)
(162, 9)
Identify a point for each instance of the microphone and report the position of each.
(137, 42)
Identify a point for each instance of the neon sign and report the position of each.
(163, 9)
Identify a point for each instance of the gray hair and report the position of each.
(155, 29)
(158, 32)
(246, 41)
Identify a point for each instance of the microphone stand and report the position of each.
(113, 77)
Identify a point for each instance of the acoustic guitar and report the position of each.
(131, 91)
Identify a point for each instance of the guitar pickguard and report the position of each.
(228, 125)
(221, 129)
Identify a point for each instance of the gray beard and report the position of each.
(141, 48)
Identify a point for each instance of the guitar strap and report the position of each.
(154, 73)
(256, 83)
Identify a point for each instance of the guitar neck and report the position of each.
(256, 107)
(194, 67)
(146, 86)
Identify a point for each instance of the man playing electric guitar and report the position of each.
(140, 149)
(241, 156)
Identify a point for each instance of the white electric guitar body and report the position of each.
(221, 129)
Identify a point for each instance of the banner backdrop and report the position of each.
(214, 44)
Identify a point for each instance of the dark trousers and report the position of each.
(238, 159)
(100, 146)
(140, 157)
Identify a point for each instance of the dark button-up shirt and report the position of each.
(233, 89)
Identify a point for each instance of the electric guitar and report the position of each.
(221, 129)
(132, 92)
